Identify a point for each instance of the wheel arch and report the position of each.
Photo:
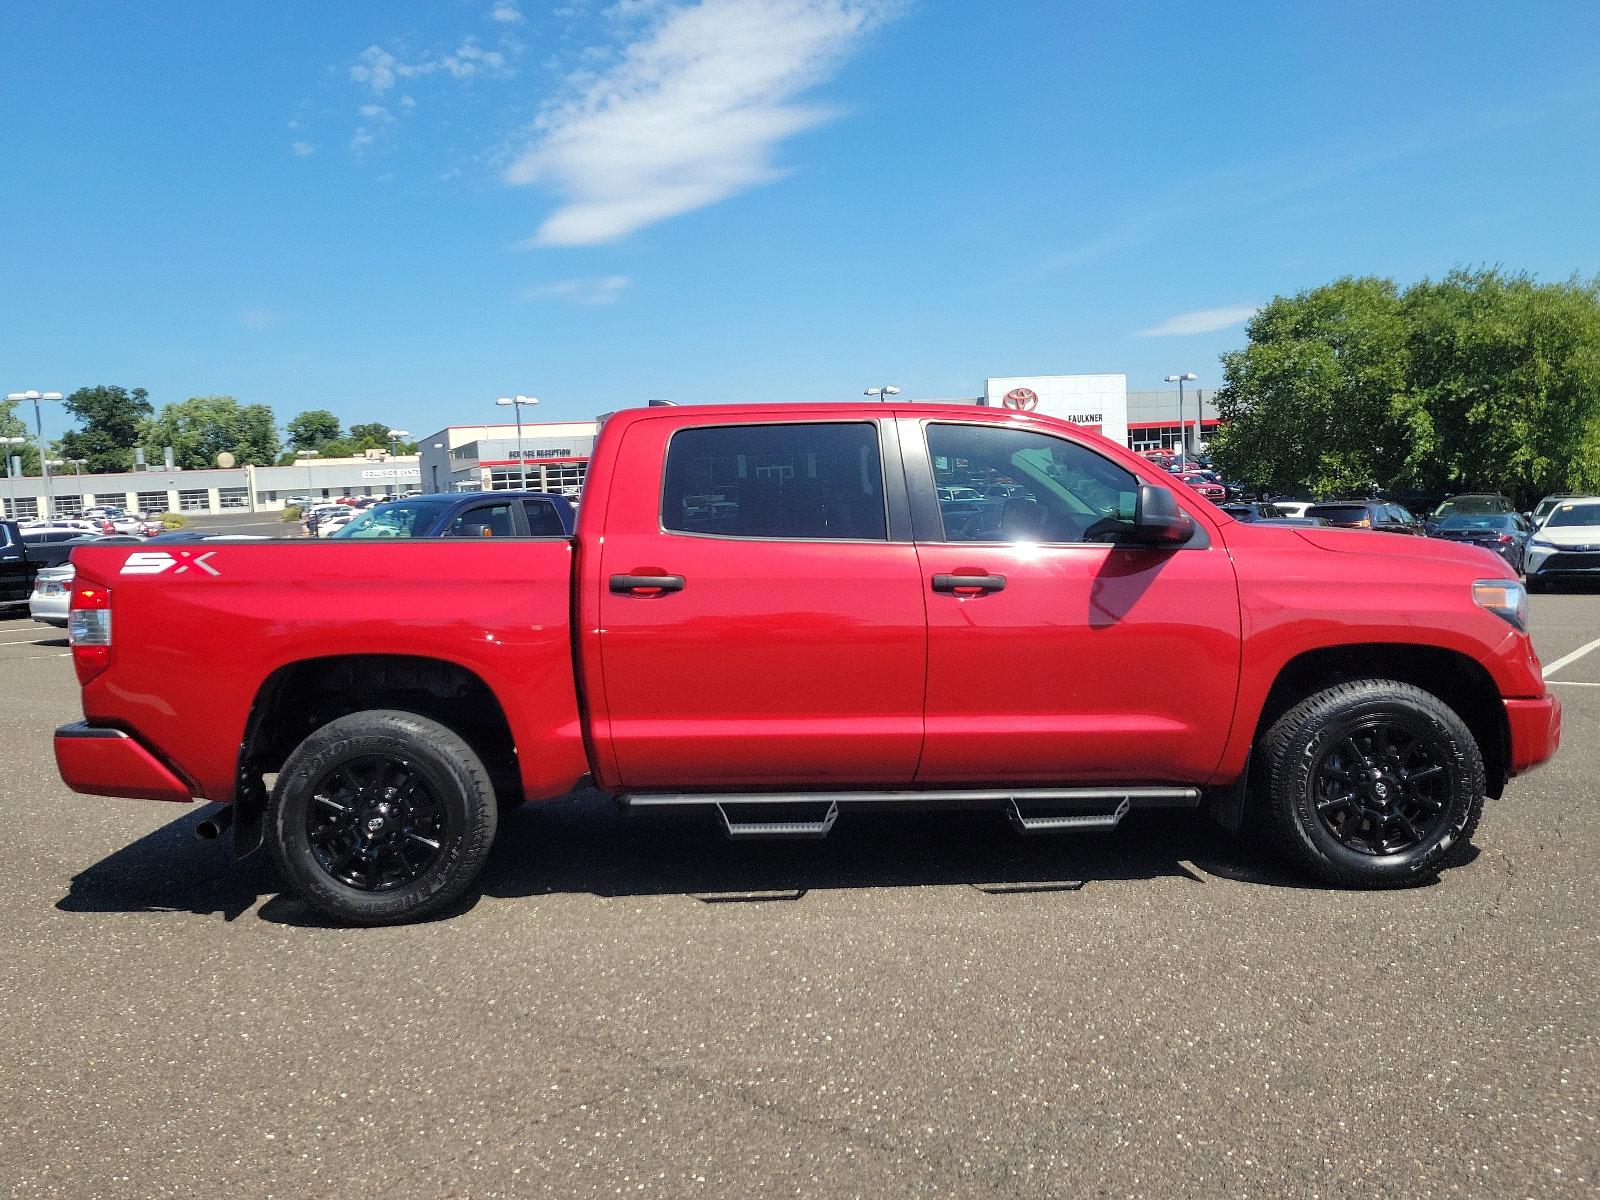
(300, 697)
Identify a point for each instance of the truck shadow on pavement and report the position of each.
(582, 844)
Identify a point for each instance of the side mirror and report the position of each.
(1157, 519)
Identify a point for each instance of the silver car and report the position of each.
(52, 592)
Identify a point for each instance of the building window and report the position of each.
(69, 506)
(565, 479)
(234, 497)
(193, 500)
(152, 502)
(25, 508)
(1155, 437)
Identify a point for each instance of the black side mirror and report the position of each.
(1157, 519)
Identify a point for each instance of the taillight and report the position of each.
(1364, 523)
(89, 630)
(1505, 539)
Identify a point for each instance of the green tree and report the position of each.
(201, 427)
(111, 418)
(313, 429)
(12, 425)
(1483, 380)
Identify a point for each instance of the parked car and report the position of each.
(479, 514)
(1567, 545)
(1544, 507)
(17, 567)
(1207, 487)
(1292, 508)
(829, 644)
(1253, 510)
(1379, 515)
(52, 589)
(1504, 533)
(315, 515)
(1471, 504)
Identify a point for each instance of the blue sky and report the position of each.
(401, 210)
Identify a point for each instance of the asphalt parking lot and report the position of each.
(933, 1007)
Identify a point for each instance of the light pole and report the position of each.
(883, 393)
(308, 455)
(11, 470)
(517, 402)
(1183, 429)
(38, 425)
(435, 465)
(396, 436)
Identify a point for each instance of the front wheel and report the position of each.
(1372, 784)
(381, 817)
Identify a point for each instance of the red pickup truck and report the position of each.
(769, 610)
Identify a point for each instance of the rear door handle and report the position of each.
(969, 585)
(646, 585)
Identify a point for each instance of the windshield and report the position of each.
(1471, 504)
(1457, 521)
(1574, 514)
(401, 519)
(1339, 513)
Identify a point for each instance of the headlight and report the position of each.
(1541, 543)
(1505, 598)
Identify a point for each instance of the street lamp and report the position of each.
(38, 425)
(1183, 431)
(308, 455)
(517, 402)
(11, 470)
(78, 464)
(396, 436)
(436, 446)
(883, 393)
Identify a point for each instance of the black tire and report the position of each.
(438, 818)
(1415, 792)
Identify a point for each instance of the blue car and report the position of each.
(465, 514)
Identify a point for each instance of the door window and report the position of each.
(484, 520)
(795, 481)
(998, 484)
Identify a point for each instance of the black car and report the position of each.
(1380, 515)
(1504, 533)
(17, 567)
(466, 514)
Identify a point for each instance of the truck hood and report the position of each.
(1395, 545)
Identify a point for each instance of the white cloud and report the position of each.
(506, 14)
(362, 138)
(581, 291)
(1202, 320)
(472, 59)
(303, 149)
(376, 112)
(690, 115)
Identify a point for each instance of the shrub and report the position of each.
(174, 521)
(291, 512)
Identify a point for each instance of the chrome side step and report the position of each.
(1103, 820)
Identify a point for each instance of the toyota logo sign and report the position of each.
(1022, 399)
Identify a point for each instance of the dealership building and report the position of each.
(553, 456)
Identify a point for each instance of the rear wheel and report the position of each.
(381, 817)
(1373, 784)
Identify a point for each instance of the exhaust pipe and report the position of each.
(215, 825)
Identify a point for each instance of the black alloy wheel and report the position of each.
(375, 824)
(1379, 789)
(1372, 783)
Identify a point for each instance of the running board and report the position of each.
(1093, 807)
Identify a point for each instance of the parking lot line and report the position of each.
(1570, 658)
(34, 657)
(1572, 683)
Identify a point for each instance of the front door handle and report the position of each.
(969, 585)
(646, 585)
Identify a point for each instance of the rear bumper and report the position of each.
(107, 762)
(1535, 727)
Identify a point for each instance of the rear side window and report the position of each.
(810, 482)
(543, 520)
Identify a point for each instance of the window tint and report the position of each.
(484, 520)
(543, 520)
(1340, 514)
(778, 481)
(1574, 514)
(1032, 487)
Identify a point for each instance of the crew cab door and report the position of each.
(1056, 653)
(761, 616)
(16, 571)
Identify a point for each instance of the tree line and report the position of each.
(114, 421)
(1481, 381)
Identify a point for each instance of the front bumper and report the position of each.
(1535, 727)
(1567, 564)
(107, 762)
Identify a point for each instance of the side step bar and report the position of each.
(1089, 807)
